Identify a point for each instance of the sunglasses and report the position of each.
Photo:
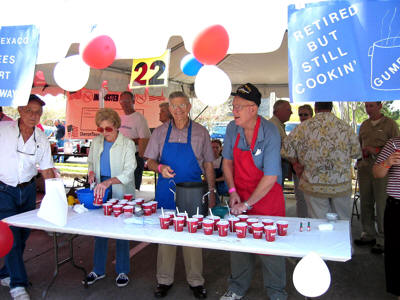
(303, 115)
(106, 129)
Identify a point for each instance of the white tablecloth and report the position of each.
(330, 245)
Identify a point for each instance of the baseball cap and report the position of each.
(33, 97)
(249, 92)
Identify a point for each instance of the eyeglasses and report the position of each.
(26, 153)
(304, 115)
(106, 129)
(239, 107)
(181, 106)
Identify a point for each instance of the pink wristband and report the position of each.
(232, 190)
(159, 168)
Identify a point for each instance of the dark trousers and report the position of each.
(391, 225)
(13, 201)
(139, 171)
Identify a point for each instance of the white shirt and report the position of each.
(16, 165)
(217, 162)
(134, 126)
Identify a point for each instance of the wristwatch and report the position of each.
(248, 206)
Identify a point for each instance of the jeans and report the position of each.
(274, 274)
(13, 201)
(100, 256)
(139, 171)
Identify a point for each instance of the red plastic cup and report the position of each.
(208, 226)
(200, 219)
(133, 203)
(97, 201)
(250, 222)
(117, 213)
(267, 222)
(128, 197)
(223, 227)
(139, 201)
(192, 224)
(113, 201)
(123, 202)
(182, 215)
(154, 206)
(164, 221)
(258, 229)
(216, 219)
(178, 223)
(282, 227)
(171, 218)
(270, 232)
(107, 209)
(117, 208)
(232, 222)
(241, 229)
(147, 209)
(243, 218)
(128, 210)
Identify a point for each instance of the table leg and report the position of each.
(59, 263)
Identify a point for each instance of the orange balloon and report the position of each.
(100, 52)
(211, 45)
(6, 239)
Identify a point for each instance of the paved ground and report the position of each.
(360, 278)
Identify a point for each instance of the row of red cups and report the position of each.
(117, 207)
(214, 223)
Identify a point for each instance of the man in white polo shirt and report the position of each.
(22, 147)
(135, 127)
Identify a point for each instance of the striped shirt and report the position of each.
(393, 185)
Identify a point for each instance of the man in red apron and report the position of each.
(252, 168)
(177, 150)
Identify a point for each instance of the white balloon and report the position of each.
(212, 86)
(71, 73)
(311, 277)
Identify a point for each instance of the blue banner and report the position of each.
(18, 52)
(344, 51)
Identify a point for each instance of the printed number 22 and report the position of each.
(154, 80)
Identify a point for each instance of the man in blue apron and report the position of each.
(180, 150)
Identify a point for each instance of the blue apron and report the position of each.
(180, 157)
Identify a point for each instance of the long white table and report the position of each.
(330, 245)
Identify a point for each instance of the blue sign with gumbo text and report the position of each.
(18, 52)
(344, 51)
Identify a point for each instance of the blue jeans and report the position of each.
(100, 256)
(13, 201)
(274, 274)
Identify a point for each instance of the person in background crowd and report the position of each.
(112, 164)
(282, 112)
(3, 116)
(59, 134)
(222, 188)
(135, 127)
(305, 112)
(321, 150)
(27, 147)
(388, 164)
(165, 114)
(374, 132)
(180, 150)
(252, 171)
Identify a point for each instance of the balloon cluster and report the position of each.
(212, 85)
(98, 52)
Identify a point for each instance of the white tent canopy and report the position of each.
(145, 29)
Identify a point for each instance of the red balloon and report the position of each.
(6, 239)
(100, 52)
(211, 45)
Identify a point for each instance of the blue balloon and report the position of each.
(190, 65)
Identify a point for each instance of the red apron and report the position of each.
(247, 176)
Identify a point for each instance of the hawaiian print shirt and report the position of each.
(325, 146)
